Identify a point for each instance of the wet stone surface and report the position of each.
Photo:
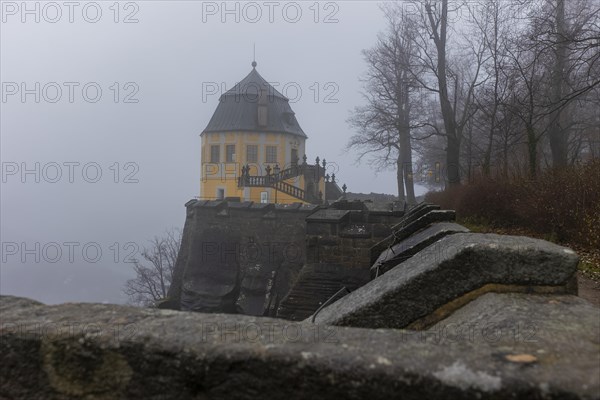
(452, 267)
(75, 351)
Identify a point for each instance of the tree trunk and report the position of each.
(470, 177)
(405, 141)
(409, 183)
(487, 159)
(557, 132)
(532, 151)
(400, 177)
(505, 156)
(453, 145)
(453, 161)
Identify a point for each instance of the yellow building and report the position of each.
(254, 149)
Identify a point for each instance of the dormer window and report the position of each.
(262, 116)
(289, 118)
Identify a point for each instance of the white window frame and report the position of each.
(264, 197)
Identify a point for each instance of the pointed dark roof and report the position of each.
(238, 109)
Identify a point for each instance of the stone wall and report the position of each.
(238, 257)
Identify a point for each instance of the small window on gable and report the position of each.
(289, 118)
(263, 118)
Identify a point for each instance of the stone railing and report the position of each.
(513, 346)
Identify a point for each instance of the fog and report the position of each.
(101, 111)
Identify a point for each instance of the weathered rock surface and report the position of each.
(412, 245)
(96, 351)
(451, 272)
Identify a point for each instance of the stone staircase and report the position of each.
(316, 284)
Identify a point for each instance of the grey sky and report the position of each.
(164, 61)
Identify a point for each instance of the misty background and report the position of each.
(67, 232)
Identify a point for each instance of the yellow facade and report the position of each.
(220, 179)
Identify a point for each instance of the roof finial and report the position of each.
(254, 57)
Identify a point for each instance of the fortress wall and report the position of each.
(238, 257)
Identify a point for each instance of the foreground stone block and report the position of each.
(415, 243)
(99, 351)
(444, 276)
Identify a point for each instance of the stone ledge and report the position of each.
(448, 269)
(412, 245)
(415, 213)
(325, 215)
(422, 222)
(422, 216)
(125, 352)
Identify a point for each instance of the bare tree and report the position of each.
(517, 82)
(455, 87)
(557, 132)
(155, 272)
(491, 22)
(554, 64)
(526, 76)
(384, 124)
(573, 41)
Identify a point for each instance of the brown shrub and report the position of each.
(564, 204)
